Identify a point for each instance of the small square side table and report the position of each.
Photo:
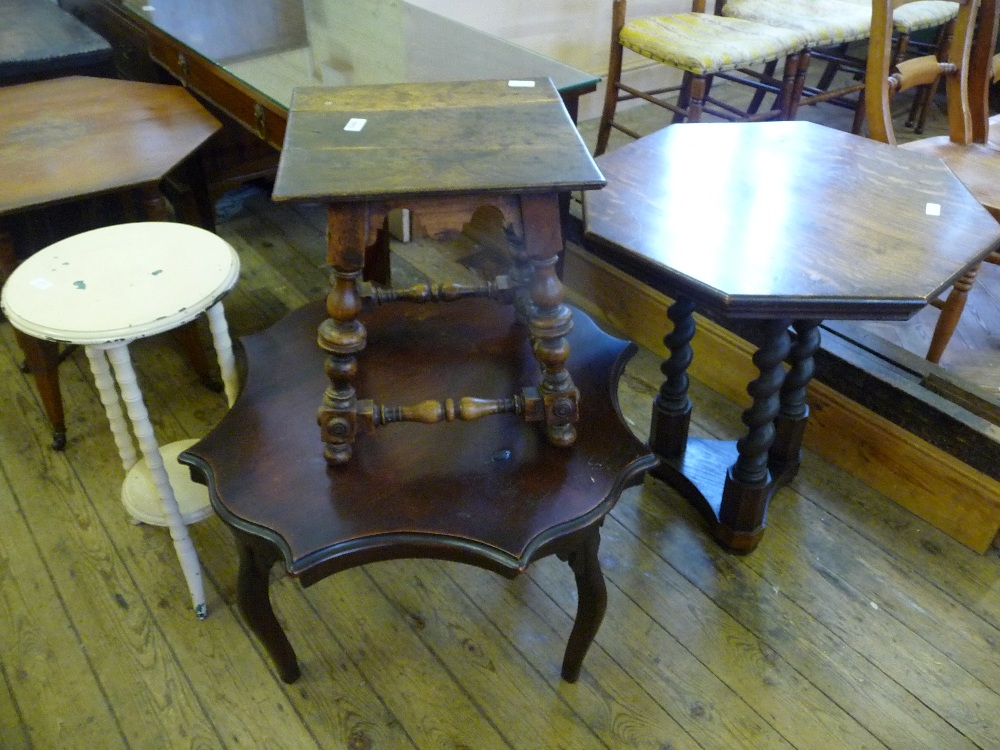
(445, 151)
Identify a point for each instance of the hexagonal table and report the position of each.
(77, 137)
(787, 224)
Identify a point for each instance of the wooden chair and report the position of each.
(966, 149)
(908, 20)
(825, 25)
(705, 47)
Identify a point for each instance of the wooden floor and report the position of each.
(854, 625)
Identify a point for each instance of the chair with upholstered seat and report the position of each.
(704, 47)
(831, 26)
(907, 21)
(966, 149)
(825, 24)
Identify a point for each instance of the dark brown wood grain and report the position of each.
(434, 139)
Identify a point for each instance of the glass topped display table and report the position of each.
(247, 57)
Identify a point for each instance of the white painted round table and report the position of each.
(108, 287)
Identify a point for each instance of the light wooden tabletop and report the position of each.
(74, 137)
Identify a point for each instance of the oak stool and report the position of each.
(449, 153)
(106, 288)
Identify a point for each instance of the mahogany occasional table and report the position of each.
(785, 224)
(493, 493)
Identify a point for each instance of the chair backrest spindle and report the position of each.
(983, 69)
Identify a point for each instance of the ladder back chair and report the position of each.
(966, 149)
(703, 46)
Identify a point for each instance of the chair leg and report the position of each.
(614, 76)
(592, 600)
(696, 93)
(254, 601)
(759, 94)
(800, 84)
(832, 68)
(783, 101)
(951, 311)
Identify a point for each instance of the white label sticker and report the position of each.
(355, 124)
(933, 209)
(521, 84)
(41, 284)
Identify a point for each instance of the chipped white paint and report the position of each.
(121, 282)
(106, 288)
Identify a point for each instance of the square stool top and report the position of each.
(39, 39)
(362, 143)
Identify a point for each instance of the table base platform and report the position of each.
(142, 499)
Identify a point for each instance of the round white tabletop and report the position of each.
(120, 283)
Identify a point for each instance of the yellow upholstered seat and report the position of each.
(704, 47)
(835, 24)
(701, 43)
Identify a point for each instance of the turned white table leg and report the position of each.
(112, 405)
(223, 349)
(143, 428)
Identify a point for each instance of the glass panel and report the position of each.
(276, 45)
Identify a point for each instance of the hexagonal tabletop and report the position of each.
(786, 219)
(73, 137)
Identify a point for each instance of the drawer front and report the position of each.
(255, 112)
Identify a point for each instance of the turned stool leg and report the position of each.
(112, 405)
(592, 601)
(223, 350)
(549, 319)
(143, 429)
